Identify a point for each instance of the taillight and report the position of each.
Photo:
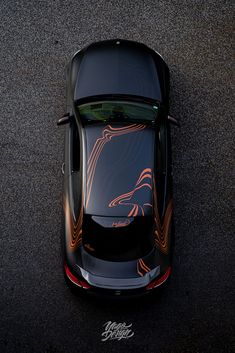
(157, 282)
(74, 279)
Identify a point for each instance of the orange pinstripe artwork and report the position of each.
(142, 268)
(74, 229)
(108, 133)
(162, 228)
(144, 181)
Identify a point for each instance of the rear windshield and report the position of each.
(118, 243)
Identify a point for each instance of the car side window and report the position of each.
(162, 148)
(75, 150)
(161, 165)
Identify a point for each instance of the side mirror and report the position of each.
(65, 119)
(173, 121)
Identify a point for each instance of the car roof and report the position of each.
(119, 169)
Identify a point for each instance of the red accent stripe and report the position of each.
(160, 280)
(74, 279)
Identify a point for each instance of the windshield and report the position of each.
(118, 111)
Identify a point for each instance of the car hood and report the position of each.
(118, 67)
(119, 164)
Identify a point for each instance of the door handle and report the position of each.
(62, 168)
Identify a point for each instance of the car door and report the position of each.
(163, 172)
(72, 168)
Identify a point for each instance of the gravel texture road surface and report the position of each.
(195, 312)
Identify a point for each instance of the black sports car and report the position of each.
(117, 169)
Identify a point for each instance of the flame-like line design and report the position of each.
(74, 229)
(162, 229)
(142, 268)
(141, 182)
(108, 133)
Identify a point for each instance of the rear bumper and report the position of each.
(79, 283)
(120, 283)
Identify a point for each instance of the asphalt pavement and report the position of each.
(38, 313)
